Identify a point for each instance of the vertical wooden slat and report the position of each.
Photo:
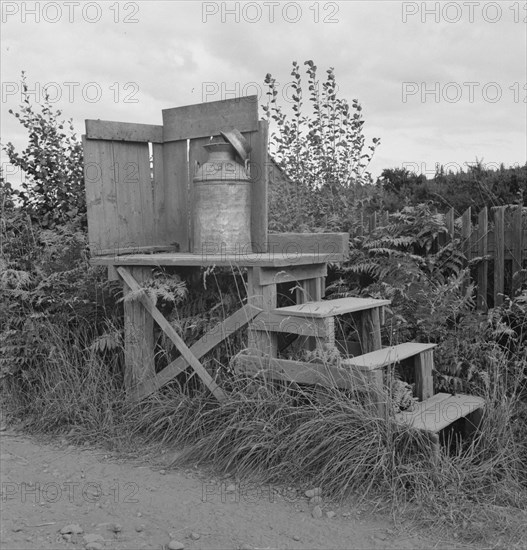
(175, 173)
(370, 330)
(133, 188)
(466, 235)
(373, 222)
(516, 249)
(483, 267)
(138, 336)
(161, 230)
(93, 183)
(449, 221)
(424, 382)
(466, 232)
(360, 230)
(499, 254)
(259, 168)
(263, 297)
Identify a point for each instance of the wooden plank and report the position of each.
(372, 222)
(94, 206)
(259, 171)
(300, 372)
(207, 342)
(331, 308)
(273, 322)
(424, 382)
(110, 256)
(271, 276)
(499, 254)
(360, 227)
(263, 297)
(163, 233)
(483, 267)
(207, 119)
(176, 193)
(138, 335)
(167, 328)
(439, 411)
(133, 187)
(387, 356)
(466, 231)
(101, 194)
(123, 131)
(450, 222)
(516, 249)
(188, 259)
(295, 244)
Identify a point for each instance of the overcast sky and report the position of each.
(438, 82)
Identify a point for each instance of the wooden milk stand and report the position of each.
(139, 217)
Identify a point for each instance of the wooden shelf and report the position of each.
(331, 308)
(440, 411)
(387, 356)
(264, 259)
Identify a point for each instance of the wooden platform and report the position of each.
(331, 308)
(440, 411)
(387, 356)
(265, 259)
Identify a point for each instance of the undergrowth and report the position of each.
(62, 339)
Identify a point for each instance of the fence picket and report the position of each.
(499, 254)
(516, 249)
(483, 267)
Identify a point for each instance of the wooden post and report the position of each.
(370, 330)
(483, 268)
(466, 232)
(263, 297)
(378, 392)
(499, 254)
(516, 249)
(138, 336)
(312, 290)
(424, 382)
(370, 322)
(360, 230)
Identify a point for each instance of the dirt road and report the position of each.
(131, 504)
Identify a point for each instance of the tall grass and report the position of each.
(68, 388)
(287, 434)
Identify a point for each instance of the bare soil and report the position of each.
(136, 504)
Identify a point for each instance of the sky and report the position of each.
(439, 82)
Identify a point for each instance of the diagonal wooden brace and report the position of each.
(207, 342)
(172, 334)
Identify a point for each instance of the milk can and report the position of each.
(222, 202)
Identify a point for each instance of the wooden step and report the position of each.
(331, 308)
(386, 356)
(440, 411)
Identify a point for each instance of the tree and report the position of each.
(53, 191)
(321, 152)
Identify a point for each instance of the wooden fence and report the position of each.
(496, 247)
